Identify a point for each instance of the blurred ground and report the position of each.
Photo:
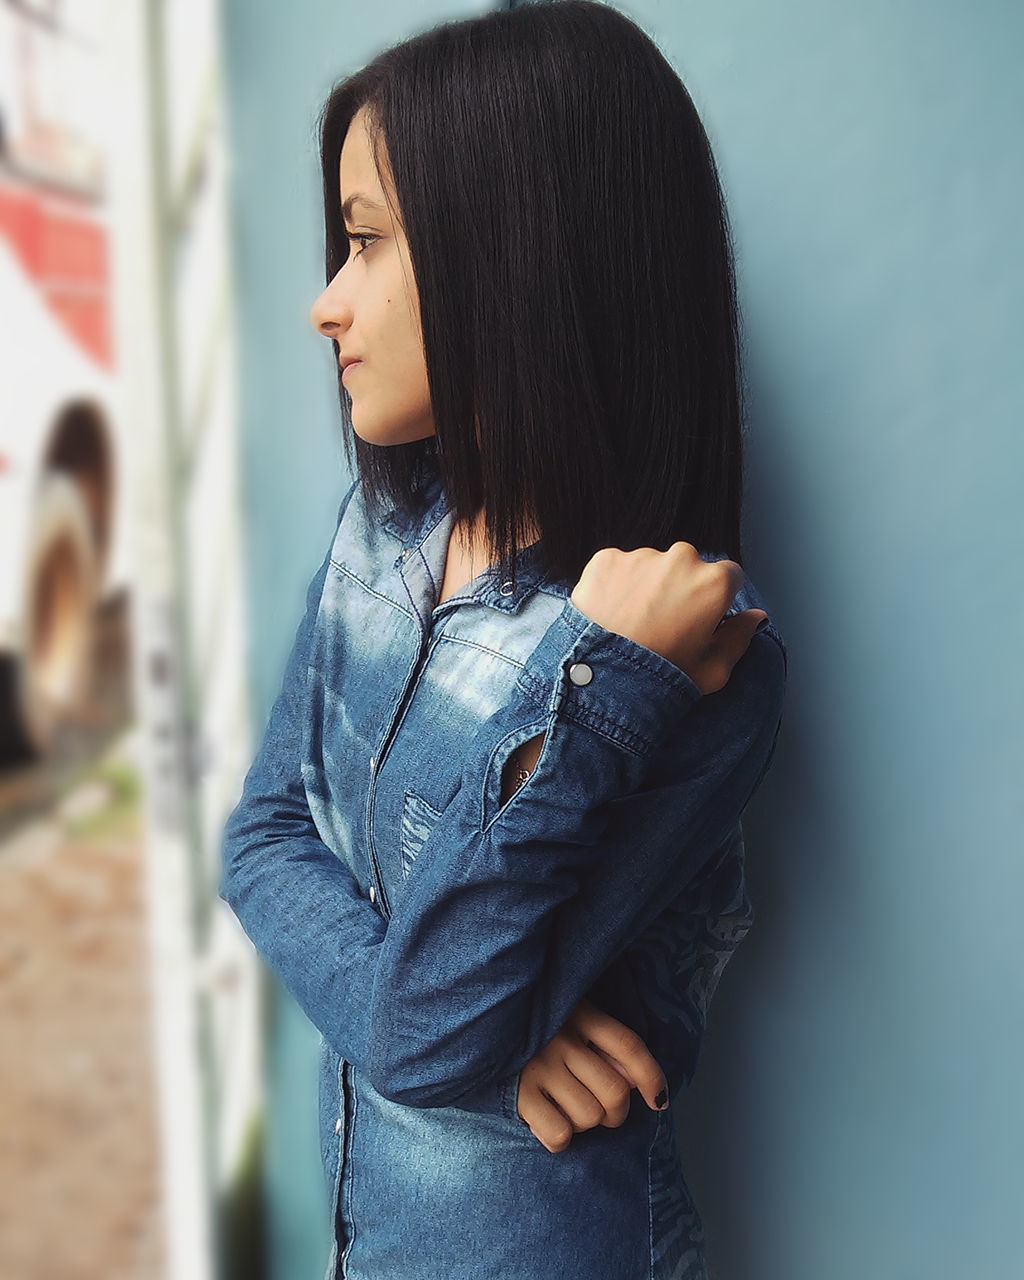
(79, 1167)
(78, 1133)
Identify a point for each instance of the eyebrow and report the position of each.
(359, 198)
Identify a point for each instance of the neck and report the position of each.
(473, 536)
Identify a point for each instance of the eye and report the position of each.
(361, 237)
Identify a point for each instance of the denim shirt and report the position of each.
(438, 938)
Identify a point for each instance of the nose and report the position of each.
(331, 314)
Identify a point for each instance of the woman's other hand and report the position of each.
(584, 1076)
(672, 602)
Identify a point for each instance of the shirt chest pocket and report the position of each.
(418, 817)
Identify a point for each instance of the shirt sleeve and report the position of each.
(511, 911)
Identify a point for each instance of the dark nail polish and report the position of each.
(761, 625)
(661, 1101)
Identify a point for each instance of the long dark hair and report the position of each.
(572, 255)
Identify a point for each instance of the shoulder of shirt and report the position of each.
(749, 597)
(346, 499)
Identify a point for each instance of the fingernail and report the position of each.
(661, 1101)
(761, 625)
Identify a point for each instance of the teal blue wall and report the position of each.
(857, 1109)
(857, 1112)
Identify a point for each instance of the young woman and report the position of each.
(491, 840)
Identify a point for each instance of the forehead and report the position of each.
(357, 172)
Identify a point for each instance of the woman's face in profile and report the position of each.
(372, 308)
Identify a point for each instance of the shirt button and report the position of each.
(337, 1125)
(373, 762)
(580, 673)
(507, 588)
(405, 554)
(373, 894)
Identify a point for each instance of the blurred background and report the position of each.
(170, 468)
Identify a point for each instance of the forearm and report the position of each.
(304, 911)
(516, 902)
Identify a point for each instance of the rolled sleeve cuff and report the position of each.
(607, 682)
(499, 1097)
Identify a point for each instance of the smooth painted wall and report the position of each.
(857, 1108)
(857, 1112)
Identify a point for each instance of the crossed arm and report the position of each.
(638, 780)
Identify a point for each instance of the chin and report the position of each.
(388, 433)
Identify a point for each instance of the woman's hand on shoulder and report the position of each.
(672, 602)
(584, 1076)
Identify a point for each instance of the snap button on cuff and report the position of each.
(506, 588)
(580, 673)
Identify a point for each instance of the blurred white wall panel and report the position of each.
(174, 335)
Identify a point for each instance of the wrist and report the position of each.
(606, 681)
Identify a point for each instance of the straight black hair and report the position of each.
(572, 255)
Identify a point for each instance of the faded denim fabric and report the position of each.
(438, 938)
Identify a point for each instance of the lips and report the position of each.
(347, 366)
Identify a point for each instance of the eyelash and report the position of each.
(355, 235)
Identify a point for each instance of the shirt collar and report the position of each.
(424, 540)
